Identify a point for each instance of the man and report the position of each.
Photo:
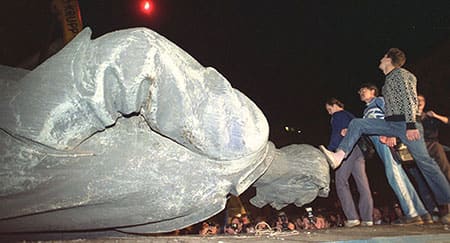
(431, 122)
(283, 223)
(412, 206)
(354, 166)
(209, 228)
(400, 94)
(235, 226)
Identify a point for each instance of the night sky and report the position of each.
(290, 56)
(287, 56)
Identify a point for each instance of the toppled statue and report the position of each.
(129, 132)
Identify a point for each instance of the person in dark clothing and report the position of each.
(431, 121)
(354, 166)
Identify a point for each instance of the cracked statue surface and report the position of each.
(129, 132)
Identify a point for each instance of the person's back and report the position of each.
(399, 92)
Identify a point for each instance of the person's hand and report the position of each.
(306, 224)
(204, 230)
(291, 226)
(278, 225)
(412, 134)
(344, 132)
(389, 141)
(320, 223)
(230, 231)
(431, 114)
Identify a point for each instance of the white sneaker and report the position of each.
(330, 157)
(367, 223)
(352, 223)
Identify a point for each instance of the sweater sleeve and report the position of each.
(407, 86)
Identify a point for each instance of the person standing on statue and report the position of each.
(413, 209)
(355, 165)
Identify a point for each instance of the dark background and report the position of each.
(287, 56)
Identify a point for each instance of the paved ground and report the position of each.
(410, 234)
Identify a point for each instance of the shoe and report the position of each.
(352, 223)
(427, 219)
(367, 223)
(330, 157)
(445, 219)
(407, 221)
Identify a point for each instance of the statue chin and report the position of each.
(129, 132)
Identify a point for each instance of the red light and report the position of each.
(146, 7)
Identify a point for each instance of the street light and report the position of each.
(292, 129)
(146, 7)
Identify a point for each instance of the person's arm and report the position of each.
(337, 124)
(407, 86)
(379, 102)
(441, 118)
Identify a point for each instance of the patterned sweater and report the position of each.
(400, 95)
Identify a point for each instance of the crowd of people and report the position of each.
(306, 220)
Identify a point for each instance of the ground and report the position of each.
(383, 233)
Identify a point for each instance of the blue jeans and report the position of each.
(429, 168)
(401, 185)
(355, 166)
(422, 188)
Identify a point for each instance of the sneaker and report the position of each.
(367, 223)
(330, 157)
(445, 219)
(427, 219)
(408, 221)
(352, 223)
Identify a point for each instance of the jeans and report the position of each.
(355, 165)
(398, 180)
(437, 152)
(429, 168)
(422, 188)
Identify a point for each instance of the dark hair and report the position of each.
(397, 56)
(370, 86)
(333, 101)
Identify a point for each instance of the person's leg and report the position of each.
(429, 168)
(365, 204)
(343, 189)
(422, 188)
(356, 128)
(369, 126)
(437, 152)
(407, 196)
